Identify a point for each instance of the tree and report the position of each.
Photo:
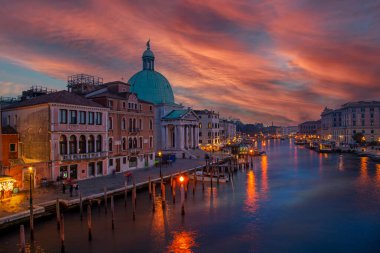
(358, 138)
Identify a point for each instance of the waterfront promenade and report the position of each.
(42, 196)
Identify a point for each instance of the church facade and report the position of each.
(176, 128)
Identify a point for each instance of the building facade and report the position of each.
(289, 130)
(310, 127)
(342, 124)
(130, 127)
(61, 134)
(227, 131)
(209, 128)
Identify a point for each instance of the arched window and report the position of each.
(130, 144)
(73, 144)
(151, 124)
(110, 123)
(140, 124)
(141, 142)
(99, 143)
(200, 125)
(134, 142)
(82, 144)
(124, 144)
(63, 145)
(110, 144)
(134, 124)
(123, 124)
(91, 144)
(130, 125)
(209, 125)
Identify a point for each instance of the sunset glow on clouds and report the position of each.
(260, 61)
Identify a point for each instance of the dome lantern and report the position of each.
(148, 58)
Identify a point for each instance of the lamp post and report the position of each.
(160, 157)
(30, 169)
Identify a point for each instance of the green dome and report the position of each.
(151, 86)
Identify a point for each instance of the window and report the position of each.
(91, 169)
(110, 144)
(140, 124)
(151, 142)
(63, 116)
(151, 124)
(134, 142)
(98, 118)
(90, 118)
(99, 168)
(200, 125)
(124, 105)
(110, 123)
(73, 144)
(63, 145)
(91, 144)
(124, 160)
(110, 162)
(141, 142)
(12, 147)
(82, 144)
(82, 117)
(110, 103)
(150, 108)
(362, 109)
(130, 144)
(372, 131)
(73, 117)
(99, 143)
(124, 144)
(130, 124)
(209, 125)
(123, 124)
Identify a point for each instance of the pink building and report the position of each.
(61, 134)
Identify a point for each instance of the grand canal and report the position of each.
(292, 200)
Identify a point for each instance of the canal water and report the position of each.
(292, 200)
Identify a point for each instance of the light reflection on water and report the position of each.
(182, 242)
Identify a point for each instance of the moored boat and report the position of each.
(207, 177)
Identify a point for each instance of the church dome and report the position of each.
(150, 85)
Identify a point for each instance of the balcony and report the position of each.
(134, 151)
(74, 157)
(133, 130)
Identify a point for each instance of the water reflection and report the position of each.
(159, 223)
(377, 175)
(251, 200)
(183, 242)
(341, 164)
(364, 178)
(264, 176)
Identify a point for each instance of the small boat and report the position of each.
(207, 177)
(326, 147)
(300, 142)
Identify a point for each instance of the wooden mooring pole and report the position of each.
(89, 222)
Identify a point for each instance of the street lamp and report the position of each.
(30, 169)
(160, 156)
(251, 154)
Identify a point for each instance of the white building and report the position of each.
(227, 130)
(342, 124)
(208, 127)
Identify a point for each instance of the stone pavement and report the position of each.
(87, 187)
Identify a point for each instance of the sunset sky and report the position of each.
(260, 61)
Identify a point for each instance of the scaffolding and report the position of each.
(82, 83)
(35, 91)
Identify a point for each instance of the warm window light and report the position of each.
(30, 169)
(159, 153)
(181, 179)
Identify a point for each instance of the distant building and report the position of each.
(310, 127)
(1, 145)
(342, 124)
(61, 134)
(208, 127)
(227, 130)
(130, 127)
(289, 130)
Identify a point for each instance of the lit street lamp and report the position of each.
(160, 157)
(30, 169)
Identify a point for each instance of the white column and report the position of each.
(185, 136)
(163, 137)
(182, 137)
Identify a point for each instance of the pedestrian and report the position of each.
(63, 188)
(76, 188)
(71, 190)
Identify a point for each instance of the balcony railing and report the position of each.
(134, 151)
(133, 130)
(72, 157)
